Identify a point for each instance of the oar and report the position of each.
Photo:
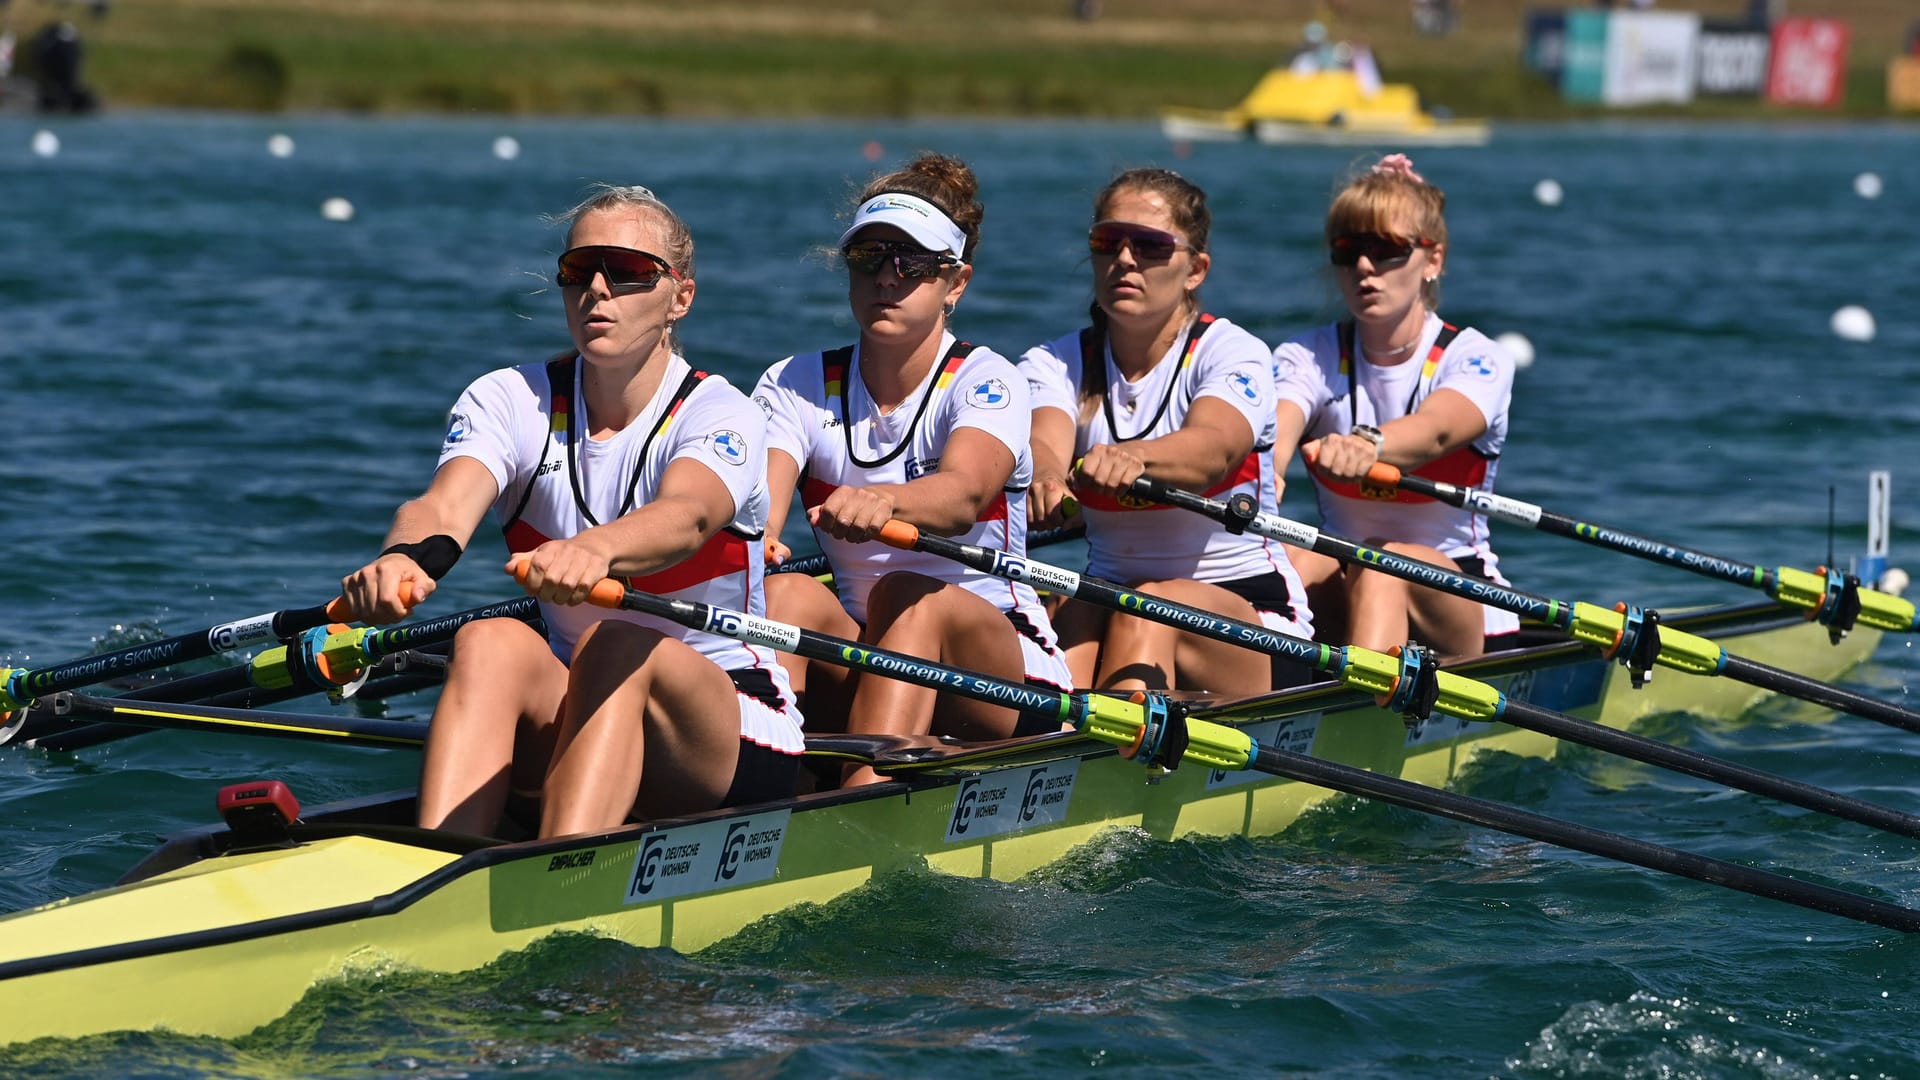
(1826, 594)
(816, 564)
(322, 658)
(1153, 731)
(341, 731)
(1359, 668)
(1629, 634)
(19, 686)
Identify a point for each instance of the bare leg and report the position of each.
(494, 728)
(1326, 585)
(1138, 653)
(936, 621)
(651, 726)
(1080, 626)
(1387, 611)
(824, 690)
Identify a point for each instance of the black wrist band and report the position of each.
(436, 554)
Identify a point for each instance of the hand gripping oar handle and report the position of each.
(1131, 725)
(1825, 594)
(1626, 633)
(814, 565)
(1451, 688)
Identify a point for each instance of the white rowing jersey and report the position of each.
(820, 413)
(1130, 540)
(528, 426)
(1326, 375)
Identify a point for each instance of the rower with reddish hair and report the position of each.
(1395, 383)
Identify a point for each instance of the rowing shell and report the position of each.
(205, 939)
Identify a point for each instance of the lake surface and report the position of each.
(217, 397)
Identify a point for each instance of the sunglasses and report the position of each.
(1384, 252)
(1148, 244)
(910, 262)
(624, 268)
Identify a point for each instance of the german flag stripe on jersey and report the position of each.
(1247, 473)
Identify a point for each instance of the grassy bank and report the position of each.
(819, 57)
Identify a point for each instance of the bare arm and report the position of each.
(691, 505)
(783, 473)
(1444, 422)
(1211, 443)
(974, 469)
(1053, 437)
(387, 588)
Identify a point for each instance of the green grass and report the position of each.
(818, 57)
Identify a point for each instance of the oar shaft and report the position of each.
(1566, 834)
(21, 686)
(1604, 629)
(817, 564)
(1786, 584)
(340, 731)
(1325, 658)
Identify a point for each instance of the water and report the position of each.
(216, 398)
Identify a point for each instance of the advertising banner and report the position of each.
(1546, 42)
(1903, 84)
(1731, 60)
(1583, 57)
(1809, 64)
(1649, 57)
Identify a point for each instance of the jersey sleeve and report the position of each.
(1235, 367)
(989, 393)
(790, 423)
(1050, 382)
(724, 431)
(1299, 377)
(1479, 368)
(492, 421)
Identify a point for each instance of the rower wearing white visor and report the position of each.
(1156, 387)
(909, 423)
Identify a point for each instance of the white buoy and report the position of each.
(280, 146)
(1867, 185)
(1894, 581)
(45, 143)
(1518, 347)
(1548, 193)
(1853, 323)
(506, 148)
(337, 209)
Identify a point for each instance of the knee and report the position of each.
(615, 640)
(900, 593)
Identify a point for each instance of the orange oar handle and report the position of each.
(606, 593)
(900, 534)
(1381, 473)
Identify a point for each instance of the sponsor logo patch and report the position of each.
(707, 857)
(1480, 366)
(1245, 386)
(458, 427)
(729, 446)
(1008, 800)
(991, 394)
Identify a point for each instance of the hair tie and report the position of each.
(1398, 165)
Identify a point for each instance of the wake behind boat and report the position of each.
(225, 928)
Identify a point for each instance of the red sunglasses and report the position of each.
(1149, 244)
(1384, 252)
(624, 268)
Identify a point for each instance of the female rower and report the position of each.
(1157, 388)
(1394, 383)
(621, 459)
(910, 423)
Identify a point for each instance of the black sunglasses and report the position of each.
(1384, 252)
(624, 268)
(910, 262)
(1149, 244)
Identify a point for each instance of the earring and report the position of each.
(947, 309)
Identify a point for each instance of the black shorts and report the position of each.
(762, 773)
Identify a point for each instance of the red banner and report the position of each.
(1809, 63)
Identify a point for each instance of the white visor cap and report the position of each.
(912, 215)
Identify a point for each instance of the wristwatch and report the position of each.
(1371, 434)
